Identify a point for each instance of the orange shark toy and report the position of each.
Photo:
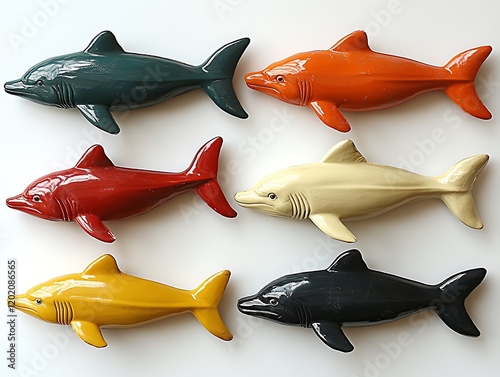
(350, 76)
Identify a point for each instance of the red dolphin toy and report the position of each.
(95, 190)
(350, 76)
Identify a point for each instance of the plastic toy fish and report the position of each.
(344, 186)
(348, 293)
(104, 77)
(103, 296)
(350, 76)
(95, 190)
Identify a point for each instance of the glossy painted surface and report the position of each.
(95, 190)
(104, 77)
(103, 296)
(344, 186)
(348, 293)
(350, 76)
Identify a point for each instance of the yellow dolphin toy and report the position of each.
(103, 296)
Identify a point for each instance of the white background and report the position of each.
(183, 242)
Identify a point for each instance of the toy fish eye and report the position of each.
(38, 301)
(36, 198)
(273, 302)
(280, 78)
(39, 83)
(272, 196)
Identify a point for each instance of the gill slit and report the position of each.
(67, 208)
(305, 91)
(64, 312)
(62, 209)
(65, 95)
(304, 315)
(300, 206)
(54, 88)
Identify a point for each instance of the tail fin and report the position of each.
(220, 68)
(454, 291)
(205, 165)
(464, 67)
(461, 177)
(208, 295)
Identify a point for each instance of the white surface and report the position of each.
(183, 242)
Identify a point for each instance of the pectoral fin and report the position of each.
(93, 225)
(330, 115)
(332, 226)
(100, 117)
(89, 332)
(332, 335)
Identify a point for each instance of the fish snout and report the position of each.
(245, 198)
(19, 302)
(24, 304)
(260, 82)
(14, 87)
(255, 79)
(250, 199)
(254, 306)
(249, 304)
(20, 203)
(16, 202)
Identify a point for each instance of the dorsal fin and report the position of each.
(95, 156)
(104, 43)
(104, 265)
(343, 151)
(356, 41)
(348, 261)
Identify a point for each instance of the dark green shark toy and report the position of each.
(104, 77)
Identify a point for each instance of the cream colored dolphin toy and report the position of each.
(344, 186)
(103, 296)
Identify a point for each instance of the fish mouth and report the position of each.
(255, 307)
(264, 89)
(19, 202)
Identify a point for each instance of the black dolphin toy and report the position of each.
(349, 293)
(104, 77)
